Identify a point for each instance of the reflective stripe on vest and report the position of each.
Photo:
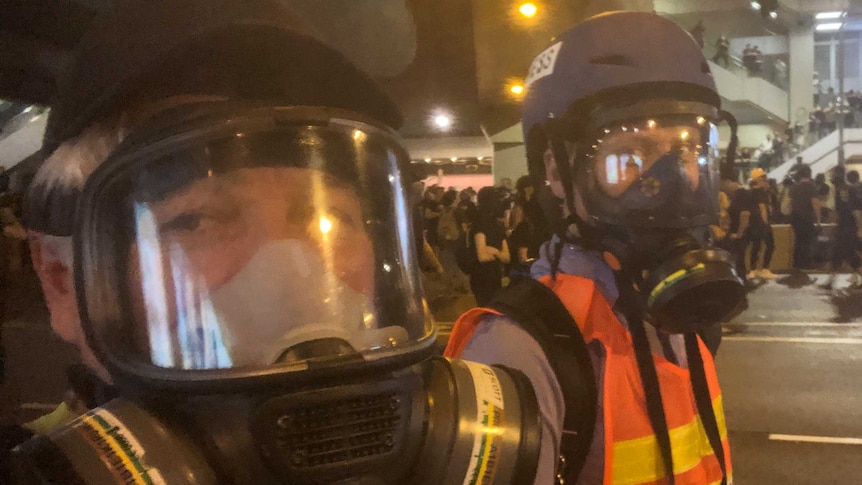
(631, 449)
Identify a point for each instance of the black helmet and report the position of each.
(255, 49)
(282, 52)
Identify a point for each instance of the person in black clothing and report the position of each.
(848, 206)
(432, 209)
(823, 193)
(525, 241)
(697, 32)
(792, 174)
(465, 211)
(805, 213)
(760, 230)
(489, 237)
(722, 51)
(740, 218)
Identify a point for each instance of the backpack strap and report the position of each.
(538, 310)
(652, 393)
(703, 400)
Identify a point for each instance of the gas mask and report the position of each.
(440, 422)
(651, 186)
(247, 275)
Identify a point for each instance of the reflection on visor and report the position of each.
(628, 152)
(654, 172)
(623, 168)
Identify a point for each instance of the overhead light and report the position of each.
(427, 160)
(829, 15)
(516, 89)
(773, 14)
(441, 119)
(453, 159)
(766, 7)
(528, 9)
(830, 27)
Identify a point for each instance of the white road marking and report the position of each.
(816, 439)
(795, 340)
(800, 324)
(39, 406)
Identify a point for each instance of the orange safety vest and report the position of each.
(631, 451)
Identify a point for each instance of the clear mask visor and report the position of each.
(284, 248)
(654, 172)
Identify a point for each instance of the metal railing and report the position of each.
(770, 70)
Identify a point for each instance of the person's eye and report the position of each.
(344, 219)
(187, 222)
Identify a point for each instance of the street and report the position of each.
(791, 373)
(790, 368)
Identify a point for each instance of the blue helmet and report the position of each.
(614, 59)
(626, 71)
(625, 108)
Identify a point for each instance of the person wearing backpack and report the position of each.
(625, 132)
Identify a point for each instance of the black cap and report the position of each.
(250, 49)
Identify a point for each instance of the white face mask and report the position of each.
(285, 296)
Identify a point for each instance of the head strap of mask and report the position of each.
(587, 235)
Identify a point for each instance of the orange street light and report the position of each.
(528, 9)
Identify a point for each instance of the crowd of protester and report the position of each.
(477, 239)
(824, 213)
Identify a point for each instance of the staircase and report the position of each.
(823, 155)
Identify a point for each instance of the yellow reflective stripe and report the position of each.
(137, 473)
(672, 279)
(638, 460)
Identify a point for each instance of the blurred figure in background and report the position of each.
(760, 231)
(523, 195)
(527, 238)
(722, 51)
(825, 195)
(739, 213)
(450, 234)
(848, 206)
(492, 251)
(805, 213)
(432, 209)
(697, 32)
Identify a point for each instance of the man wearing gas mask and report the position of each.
(619, 119)
(244, 267)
